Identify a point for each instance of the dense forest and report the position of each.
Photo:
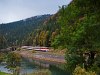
(46, 34)
(15, 32)
(75, 28)
(79, 34)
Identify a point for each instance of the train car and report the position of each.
(44, 49)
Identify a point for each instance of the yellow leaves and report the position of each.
(42, 37)
(91, 73)
(81, 71)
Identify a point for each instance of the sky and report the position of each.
(14, 10)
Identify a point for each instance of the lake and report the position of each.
(30, 67)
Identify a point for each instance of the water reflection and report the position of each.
(4, 69)
(29, 67)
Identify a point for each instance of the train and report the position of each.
(44, 49)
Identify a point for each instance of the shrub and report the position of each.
(81, 71)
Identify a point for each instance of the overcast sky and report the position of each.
(14, 10)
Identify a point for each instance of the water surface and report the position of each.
(30, 67)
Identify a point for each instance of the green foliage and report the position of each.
(73, 60)
(46, 34)
(2, 42)
(13, 60)
(18, 31)
(18, 49)
(80, 32)
(2, 56)
(2, 73)
(81, 71)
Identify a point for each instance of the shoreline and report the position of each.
(44, 57)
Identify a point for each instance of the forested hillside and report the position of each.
(2, 42)
(80, 35)
(75, 28)
(46, 34)
(15, 32)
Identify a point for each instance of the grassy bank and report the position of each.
(42, 72)
(2, 73)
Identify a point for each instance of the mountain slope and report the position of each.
(77, 28)
(15, 32)
(80, 35)
(46, 34)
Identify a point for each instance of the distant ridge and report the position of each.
(15, 32)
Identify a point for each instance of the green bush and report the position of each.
(81, 71)
(1, 57)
